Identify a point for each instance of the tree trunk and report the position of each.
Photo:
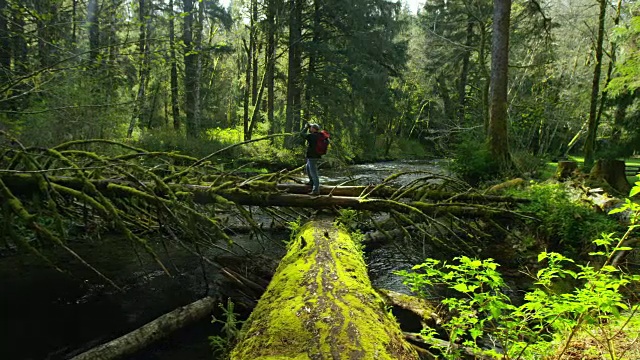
(5, 51)
(254, 52)
(592, 130)
(270, 63)
(464, 72)
(497, 133)
(94, 35)
(313, 58)
(486, 76)
(151, 332)
(320, 304)
(443, 89)
(613, 172)
(175, 108)
(247, 90)
(143, 72)
(294, 67)
(191, 81)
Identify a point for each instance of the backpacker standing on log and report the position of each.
(317, 143)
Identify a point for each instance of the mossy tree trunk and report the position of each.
(320, 305)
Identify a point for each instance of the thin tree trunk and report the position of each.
(293, 80)
(443, 90)
(497, 133)
(74, 21)
(94, 35)
(270, 64)
(313, 58)
(247, 89)
(19, 50)
(190, 72)
(175, 108)
(464, 72)
(487, 77)
(143, 53)
(5, 48)
(254, 51)
(592, 130)
(612, 61)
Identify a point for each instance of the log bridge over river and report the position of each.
(320, 303)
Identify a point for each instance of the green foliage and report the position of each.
(349, 218)
(548, 320)
(562, 220)
(294, 228)
(223, 344)
(473, 162)
(168, 140)
(528, 164)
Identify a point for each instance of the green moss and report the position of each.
(320, 303)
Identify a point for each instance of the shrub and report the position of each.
(561, 220)
(473, 162)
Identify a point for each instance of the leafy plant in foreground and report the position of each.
(548, 321)
(223, 344)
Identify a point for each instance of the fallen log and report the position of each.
(151, 332)
(320, 305)
(389, 191)
(207, 195)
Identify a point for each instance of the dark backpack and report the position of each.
(322, 142)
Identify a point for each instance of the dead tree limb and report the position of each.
(151, 332)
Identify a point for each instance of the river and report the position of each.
(50, 315)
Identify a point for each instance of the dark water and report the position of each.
(49, 315)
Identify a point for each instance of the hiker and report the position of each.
(317, 142)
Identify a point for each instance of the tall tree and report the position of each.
(144, 19)
(497, 135)
(5, 46)
(592, 129)
(175, 108)
(93, 30)
(270, 62)
(191, 80)
(294, 67)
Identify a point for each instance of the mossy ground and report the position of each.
(320, 305)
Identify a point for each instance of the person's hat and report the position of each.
(316, 126)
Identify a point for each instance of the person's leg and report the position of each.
(308, 171)
(312, 170)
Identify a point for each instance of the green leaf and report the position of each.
(618, 210)
(461, 288)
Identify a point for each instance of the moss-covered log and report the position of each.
(320, 305)
(269, 197)
(392, 192)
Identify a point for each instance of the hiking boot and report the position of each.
(314, 193)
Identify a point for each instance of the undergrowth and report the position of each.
(562, 222)
(595, 319)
